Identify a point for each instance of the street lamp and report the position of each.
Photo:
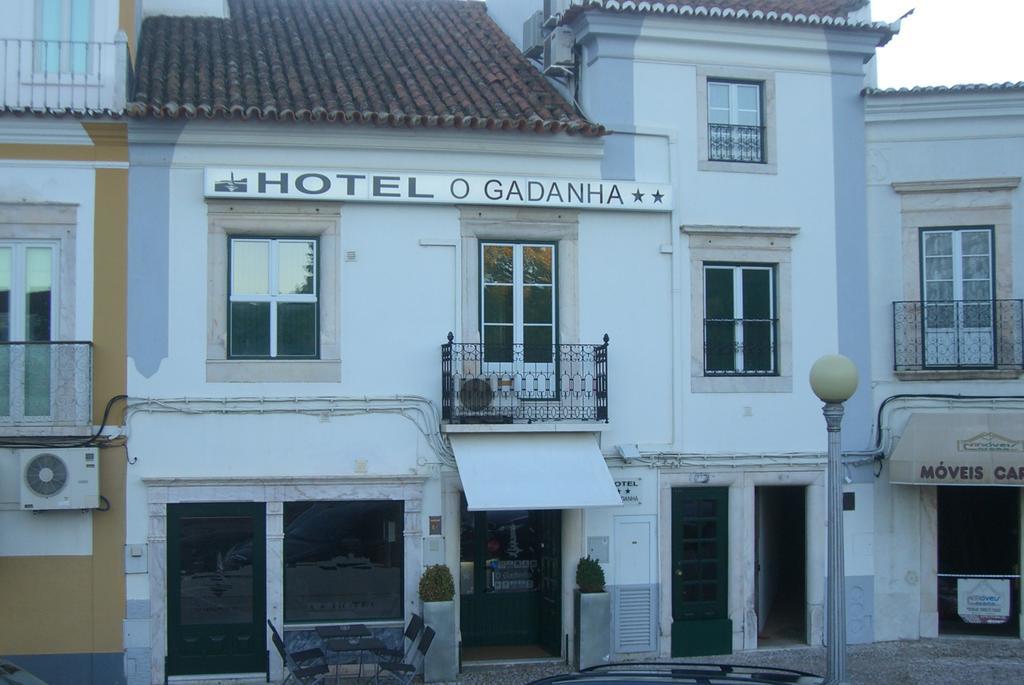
(834, 380)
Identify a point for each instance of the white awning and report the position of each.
(533, 471)
(960, 449)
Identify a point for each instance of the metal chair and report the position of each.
(412, 631)
(405, 670)
(307, 666)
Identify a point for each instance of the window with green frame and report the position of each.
(273, 304)
(740, 325)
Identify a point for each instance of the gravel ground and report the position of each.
(945, 661)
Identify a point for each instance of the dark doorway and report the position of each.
(216, 588)
(510, 584)
(700, 572)
(979, 560)
(780, 565)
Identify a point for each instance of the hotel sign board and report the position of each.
(341, 185)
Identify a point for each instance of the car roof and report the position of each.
(683, 673)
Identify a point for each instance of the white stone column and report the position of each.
(929, 576)
(816, 532)
(157, 540)
(275, 578)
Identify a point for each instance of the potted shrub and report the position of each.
(437, 592)
(592, 616)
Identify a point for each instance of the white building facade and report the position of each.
(945, 200)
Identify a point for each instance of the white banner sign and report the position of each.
(366, 186)
(983, 600)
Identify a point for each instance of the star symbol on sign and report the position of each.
(638, 196)
(657, 196)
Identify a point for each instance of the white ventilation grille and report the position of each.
(636, 611)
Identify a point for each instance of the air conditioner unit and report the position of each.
(476, 394)
(561, 44)
(533, 35)
(66, 478)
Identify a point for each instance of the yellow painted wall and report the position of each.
(76, 604)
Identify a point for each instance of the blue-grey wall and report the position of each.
(73, 669)
(148, 243)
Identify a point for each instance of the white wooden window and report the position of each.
(735, 122)
(518, 301)
(958, 287)
(273, 309)
(64, 28)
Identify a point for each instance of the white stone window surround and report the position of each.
(766, 80)
(560, 227)
(739, 245)
(273, 219)
(273, 492)
(955, 204)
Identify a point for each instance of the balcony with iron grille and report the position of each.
(967, 336)
(63, 75)
(733, 143)
(45, 388)
(524, 384)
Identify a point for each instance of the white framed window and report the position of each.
(27, 315)
(735, 125)
(958, 288)
(273, 298)
(741, 300)
(63, 32)
(739, 320)
(273, 288)
(518, 301)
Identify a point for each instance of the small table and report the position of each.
(350, 632)
(348, 640)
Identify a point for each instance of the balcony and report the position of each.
(964, 335)
(523, 383)
(45, 385)
(71, 76)
(732, 143)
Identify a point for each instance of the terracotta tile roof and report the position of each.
(960, 88)
(833, 13)
(397, 63)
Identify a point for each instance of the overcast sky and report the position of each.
(946, 42)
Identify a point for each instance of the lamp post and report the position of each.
(834, 380)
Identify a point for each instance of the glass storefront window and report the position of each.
(342, 561)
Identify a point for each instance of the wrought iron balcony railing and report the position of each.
(50, 75)
(483, 383)
(740, 347)
(45, 384)
(732, 143)
(958, 334)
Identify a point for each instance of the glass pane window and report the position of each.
(735, 122)
(739, 319)
(957, 287)
(274, 307)
(343, 561)
(64, 29)
(518, 302)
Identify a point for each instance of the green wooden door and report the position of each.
(216, 588)
(510, 579)
(700, 572)
(551, 581)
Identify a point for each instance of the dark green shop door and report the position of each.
(510, 579)
(216, 588)
(700, 572)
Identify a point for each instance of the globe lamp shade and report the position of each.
(834, 378)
